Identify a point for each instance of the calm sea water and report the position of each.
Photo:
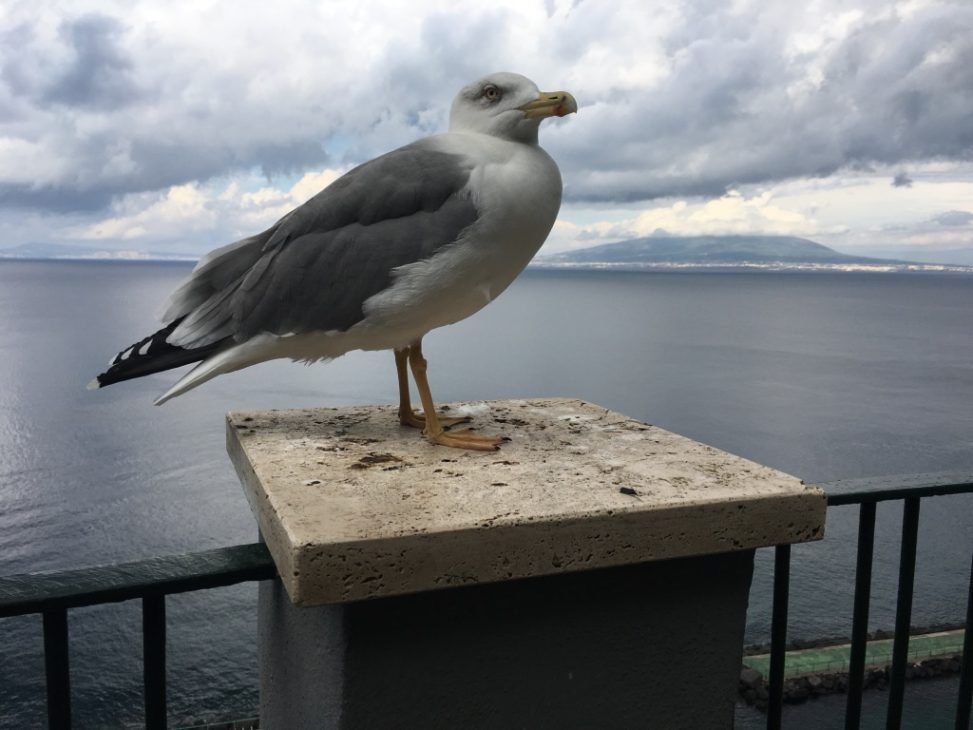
(826, 376)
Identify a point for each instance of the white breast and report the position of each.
(517, 191)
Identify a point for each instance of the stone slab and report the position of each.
(353, 506)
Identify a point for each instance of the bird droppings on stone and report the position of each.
(372, 459)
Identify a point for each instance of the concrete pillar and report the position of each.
(592, 573)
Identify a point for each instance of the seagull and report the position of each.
(418, 238)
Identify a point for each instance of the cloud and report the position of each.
(690, 99)
(126, 120)
(902, 180)
(92, 71)
(851, 213)
(106, 107)
(954, 218)
(218, 212)
(750, 98)
(733, 213)
(98, 76)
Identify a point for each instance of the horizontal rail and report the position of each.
(884, 489)
(37, 592)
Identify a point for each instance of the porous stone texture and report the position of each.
(352, 505)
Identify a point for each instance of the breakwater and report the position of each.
(820, 667)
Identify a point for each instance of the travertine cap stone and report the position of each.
(352, 505)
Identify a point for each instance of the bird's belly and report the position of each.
(445, 289)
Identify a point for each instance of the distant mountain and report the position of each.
(766, 252)
(710, 250)
(40, 250)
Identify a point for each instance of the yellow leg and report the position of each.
(434, 430)
(407, 416)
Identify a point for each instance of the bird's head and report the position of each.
(507, 105)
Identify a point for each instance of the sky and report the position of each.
(180, 126)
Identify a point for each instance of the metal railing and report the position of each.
(52, 594)
(867, 493)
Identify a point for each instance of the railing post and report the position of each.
(778, 635)
(56, 668)
(903, 611)
(966, 672)
(154, 666)
(859, 631)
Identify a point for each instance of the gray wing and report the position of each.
(314, 269)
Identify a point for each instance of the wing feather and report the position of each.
(314, 269)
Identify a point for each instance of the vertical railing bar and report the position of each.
(154, 660)
(778, 636)
(859, 629)
(56, 668)
(903, 611)
(966, 669)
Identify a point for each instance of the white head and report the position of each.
(507, 105)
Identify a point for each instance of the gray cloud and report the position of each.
(99, 74)
(92, 71)
(123, 112)
(740, 107)
(122, 125)
(902, 180)
(56, 199)
(954, 218)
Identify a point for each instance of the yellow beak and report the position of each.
(550, 104)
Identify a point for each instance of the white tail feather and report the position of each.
(258, 349)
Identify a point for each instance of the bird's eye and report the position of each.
(491, 92)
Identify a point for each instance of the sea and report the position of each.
(827, 376)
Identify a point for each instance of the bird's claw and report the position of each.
(466, 439)
(417, 420)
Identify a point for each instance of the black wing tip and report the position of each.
(110, 378)
(152, 354)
